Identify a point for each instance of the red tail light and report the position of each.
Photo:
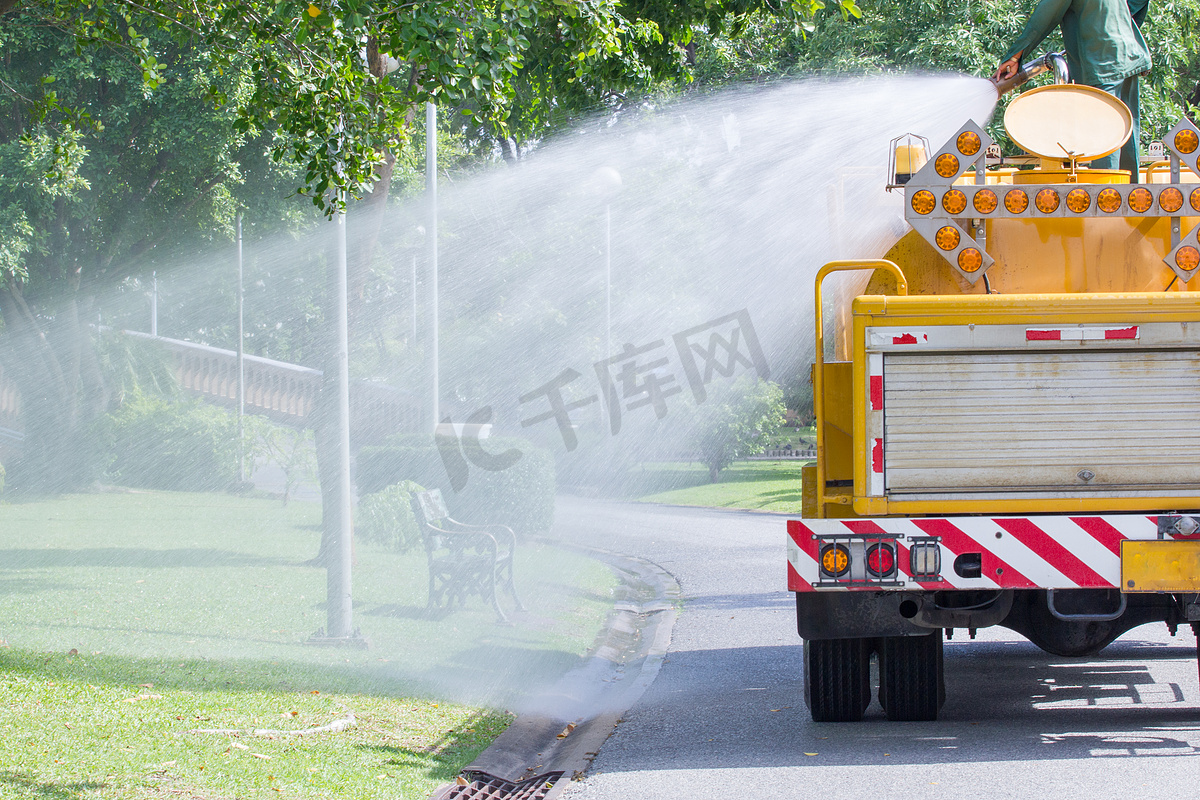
(881, 560)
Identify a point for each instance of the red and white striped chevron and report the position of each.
(1046, 552)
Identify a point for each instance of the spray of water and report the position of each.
(635, 231)
(625, 232)
(702, 209)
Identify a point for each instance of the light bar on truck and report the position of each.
(937, 207)
(1090, 200)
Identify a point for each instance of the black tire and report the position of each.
(837, 679)
(911, 679)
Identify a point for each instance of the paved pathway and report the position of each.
(725, 717)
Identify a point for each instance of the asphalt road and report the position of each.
(725, 717)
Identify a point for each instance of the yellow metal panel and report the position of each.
(808, 491)
(1160, 566)
(1051, 255)
(1026, 177)
(839, 422)
(872, 506)
(839, 458)
(838, 395)
(1025, 309)
(1049, 505)
(838, 503)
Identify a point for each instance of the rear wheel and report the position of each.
(837, 678)
(911, 684)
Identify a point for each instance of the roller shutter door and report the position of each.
(1074, 422)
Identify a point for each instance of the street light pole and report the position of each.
(607, 280)
(431, 256)
(606, 183)
(241, 359)
(340, 609)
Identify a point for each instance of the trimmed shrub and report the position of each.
(521, 496)
(153, 443)
(386, 517)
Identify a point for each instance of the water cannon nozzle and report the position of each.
(1051, 62)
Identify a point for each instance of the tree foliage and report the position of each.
(126, 129)
(337, 82)
(100, 179)
(737, 423)
(966, 36)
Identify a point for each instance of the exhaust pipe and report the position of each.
(1051, 62)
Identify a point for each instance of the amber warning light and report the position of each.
(835, 560)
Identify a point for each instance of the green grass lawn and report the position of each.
(796, 437)
(759, 485)
(130, 619)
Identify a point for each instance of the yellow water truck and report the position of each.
(1008, 416)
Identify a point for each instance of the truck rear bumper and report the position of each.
(974, 553)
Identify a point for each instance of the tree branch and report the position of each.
(203, 191)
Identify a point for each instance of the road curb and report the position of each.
(563, 727)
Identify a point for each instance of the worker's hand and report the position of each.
(1008, 68)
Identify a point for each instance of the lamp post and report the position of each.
(431, 258)
(604, 184)
(340, 609)
(241, 358)
(339, 627)
(607, 183)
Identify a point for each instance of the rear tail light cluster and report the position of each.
(859, 560)
(874, 560)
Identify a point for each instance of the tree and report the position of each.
(100, 181)
(331, 87)
(736, 424)
(967, 37)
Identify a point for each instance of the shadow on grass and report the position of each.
(136, 557)
(483, 673)
(22, 586)
(782, 496)
(29, 787)
(424, 613)
(441, 759)
(744, 474)
(231, 675)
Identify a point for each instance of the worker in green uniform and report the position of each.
(1105, 49)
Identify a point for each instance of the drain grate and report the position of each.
(482, 786)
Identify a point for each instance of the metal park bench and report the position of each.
(465, 559)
